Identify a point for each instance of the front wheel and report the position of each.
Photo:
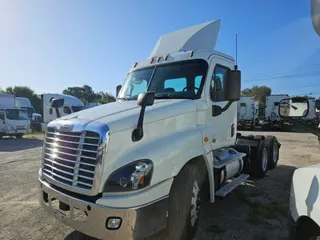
(184, 204)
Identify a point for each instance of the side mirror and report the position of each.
(294, 107)
(57, 103)
(233, 86)
(315, 15)
(118, 88)
(146, 99)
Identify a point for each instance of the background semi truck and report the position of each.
(246, 113)
(143, 164)
(272, 120)
(13, 121)
(71, 105)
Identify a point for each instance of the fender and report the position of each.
(304, 194)
(170, 143)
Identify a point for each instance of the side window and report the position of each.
(50, 111)
(217, 84)
(175, 85)
(243, 104)
(137, 87)
(2, 115)
(66, 110)
(197, 81)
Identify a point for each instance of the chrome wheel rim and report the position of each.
(275, 152)
(195, 203)
(264, 159)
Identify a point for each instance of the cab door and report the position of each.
(2, 121)
(221, 127)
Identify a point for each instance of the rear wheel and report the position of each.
(184, 204)
(20, 135)
(273, 151)
(259, 165)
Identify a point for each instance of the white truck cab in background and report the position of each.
(71, 105)
(246, 113)
(131, 168)
(272, 120)
(13, 121)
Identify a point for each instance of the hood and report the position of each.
(121, 115)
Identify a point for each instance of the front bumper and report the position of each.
(14, 132)
(91, 218)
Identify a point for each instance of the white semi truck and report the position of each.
(272, 120)
(13, 121)
(71, 105)
(246, 113)
(143, 164)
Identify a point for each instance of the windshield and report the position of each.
(77, 108)
(176, 80)
(17, 114)
(30, 110)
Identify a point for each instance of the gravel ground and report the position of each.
(256, 210)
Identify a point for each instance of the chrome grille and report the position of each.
(71, 157)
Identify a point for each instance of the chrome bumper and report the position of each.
(91, 218)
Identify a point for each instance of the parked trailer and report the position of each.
(246, 113)
(141, 165)
(272, 120)
(71, 105)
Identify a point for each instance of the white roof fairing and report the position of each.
(200, 37)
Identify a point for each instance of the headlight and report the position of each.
(133, 176)
(10, 127)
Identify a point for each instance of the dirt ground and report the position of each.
(256, 211)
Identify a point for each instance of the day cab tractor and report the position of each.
(142, 165)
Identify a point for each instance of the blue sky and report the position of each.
(51, 45)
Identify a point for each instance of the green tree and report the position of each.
(26, 92)
(259, 93)
(86, 94)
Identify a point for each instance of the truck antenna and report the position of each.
(236, 66)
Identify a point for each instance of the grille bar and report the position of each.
(70, 154)
(75, 149)
(71, 157)
(65, 141)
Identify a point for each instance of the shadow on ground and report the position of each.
(256, 210)
(13, 145)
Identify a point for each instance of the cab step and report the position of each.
(226, 189)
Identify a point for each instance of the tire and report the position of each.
(184, 200)
(259, 163)
(273, 151)
(20, 135)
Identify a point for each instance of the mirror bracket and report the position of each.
(144, 100)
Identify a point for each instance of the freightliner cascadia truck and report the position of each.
(142, 165)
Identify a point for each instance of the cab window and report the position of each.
(177, 84)
(66, 110)
(217, 83)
